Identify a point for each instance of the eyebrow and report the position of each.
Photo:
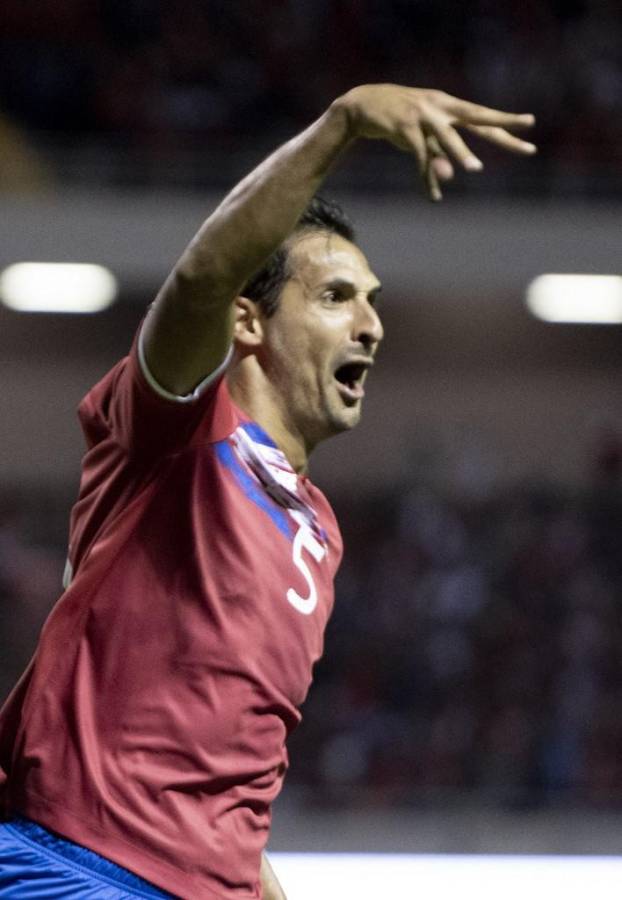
(341, 283)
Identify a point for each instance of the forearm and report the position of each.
(262, 210)
(191, 324)
(271, 888)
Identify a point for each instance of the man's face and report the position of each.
(322, 339)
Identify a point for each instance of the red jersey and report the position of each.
(150, 725)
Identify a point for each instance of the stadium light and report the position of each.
(584, 299)
(57, 287)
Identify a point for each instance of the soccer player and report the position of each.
(145, 743)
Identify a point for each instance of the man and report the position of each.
(146, 741)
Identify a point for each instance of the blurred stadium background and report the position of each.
(470, 696)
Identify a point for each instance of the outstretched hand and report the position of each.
(426, 122)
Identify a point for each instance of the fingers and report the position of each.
(503, 138)
(434, 166)
(453, 144)
(443, 168)
(438, 159)
(439, 168)
(433, 187)
(474, 114)
(433, 136)
(414, 140)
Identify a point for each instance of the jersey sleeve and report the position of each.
(129, 407)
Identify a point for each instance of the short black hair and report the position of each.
(266, 285)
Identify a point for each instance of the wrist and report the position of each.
(343, 113)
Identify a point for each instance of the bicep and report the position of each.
(186, 336)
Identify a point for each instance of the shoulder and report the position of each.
(129, 407)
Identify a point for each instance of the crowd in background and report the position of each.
(476, 640)
(185, 89)
(475, 648)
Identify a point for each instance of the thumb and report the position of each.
(438, 160)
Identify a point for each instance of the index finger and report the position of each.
(474, 114)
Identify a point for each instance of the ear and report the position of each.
(248, 331)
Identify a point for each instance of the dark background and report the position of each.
(475, 647)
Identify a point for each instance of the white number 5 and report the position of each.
(305, 540)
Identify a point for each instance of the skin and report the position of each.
(191, 323)
(270, 885)
(284, 377)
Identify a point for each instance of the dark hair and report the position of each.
(266, 285)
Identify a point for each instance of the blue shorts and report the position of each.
(36, 864)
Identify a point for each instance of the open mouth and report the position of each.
(350, 377)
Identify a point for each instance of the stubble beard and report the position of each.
(340, 417)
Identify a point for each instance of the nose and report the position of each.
(367, 324)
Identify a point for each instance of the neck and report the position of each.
(257, 397)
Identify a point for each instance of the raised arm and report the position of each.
(190, 326)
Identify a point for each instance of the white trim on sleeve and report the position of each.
(67, 574)
(185, 398)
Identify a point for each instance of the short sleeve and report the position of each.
(130, 408)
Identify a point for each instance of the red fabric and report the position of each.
(150, 725)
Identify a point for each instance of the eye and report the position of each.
(333, 296)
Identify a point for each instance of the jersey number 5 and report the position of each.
(305, 540)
